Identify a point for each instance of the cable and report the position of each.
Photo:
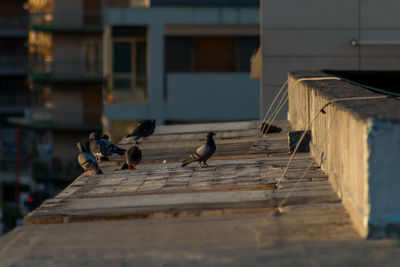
(321, 110)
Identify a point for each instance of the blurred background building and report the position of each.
(179, 61)
(72, 67)
(315, 34)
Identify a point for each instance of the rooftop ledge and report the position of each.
(356, 138)
(163, 214)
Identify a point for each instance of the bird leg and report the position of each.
(85, 173)
(200, 165)
(133, 167)
(205, 163)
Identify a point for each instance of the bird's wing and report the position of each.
(202, 151)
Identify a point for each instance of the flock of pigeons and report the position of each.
(101, 147)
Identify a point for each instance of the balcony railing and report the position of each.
(14, 23)
(13, 100)
(67, 117)
(66, 70)
(85, 20)
(13, 62)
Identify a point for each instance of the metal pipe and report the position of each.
(355, 42)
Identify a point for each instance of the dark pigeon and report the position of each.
(87, 161)
(203, 153)
(132, 157)
(111, 147)
(143, 130)
(98, 147)
(270, 128)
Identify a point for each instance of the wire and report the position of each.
(321, 110)
(280, 106)
(272, 104)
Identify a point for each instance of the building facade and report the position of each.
(179, 61)
(315, 34)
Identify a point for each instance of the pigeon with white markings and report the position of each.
(132, 157)
(87, 161)
(143, 130)
(111, 147)
(203, 153)
(98, 147)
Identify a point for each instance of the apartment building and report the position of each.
(311, 35)
(65, 75)
(179, 61)
(14, 99)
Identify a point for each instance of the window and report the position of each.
(91, 56)
(209, 53)
(215, 54)
(178, 53)
(129, 61)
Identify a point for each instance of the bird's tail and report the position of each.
(119, 151)
(187, 161)
(98, 170)
(124, 167)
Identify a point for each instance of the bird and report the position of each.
(270, 128)
(111, 147)
(143, 130)
(132, 157)
(87, 161)
(98, 147)
(202, 153)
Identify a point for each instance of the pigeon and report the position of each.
(203, 153)
(132, 157)
(143, 130)
(87, 161)
(271, 128)
(111, 147)
(98, 147)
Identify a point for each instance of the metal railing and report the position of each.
(13, 100)
(14, 23)
(67, 69)
(68, 19)
(17, 61)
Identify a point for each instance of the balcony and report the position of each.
(65, 118)
(67, 21)
(12, 65)
(14, 26)
(13, 103)
(66, 71)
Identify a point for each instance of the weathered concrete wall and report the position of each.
(357, 143)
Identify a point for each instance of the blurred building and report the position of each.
(179, 61)
(309, 35)
(14, 102)
(65, 78)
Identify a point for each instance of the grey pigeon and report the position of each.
(98, 147)
(87, 161)
(143, 130)
(203, 153)
(132, 157)
(111, 147)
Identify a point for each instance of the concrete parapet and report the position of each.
(357, 142)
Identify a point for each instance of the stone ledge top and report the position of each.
(381, 109)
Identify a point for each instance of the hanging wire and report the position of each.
(321, 110)
(284, 98)
(266, 118)
(279, 208)
(275, 113)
